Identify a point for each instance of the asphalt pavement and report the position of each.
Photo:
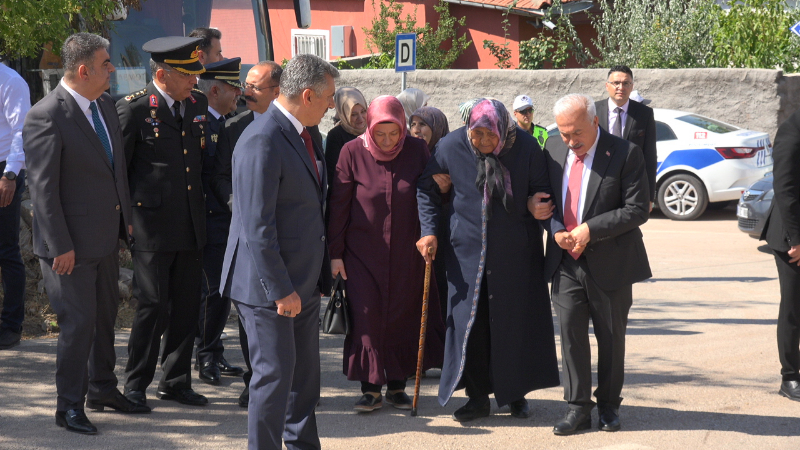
(702, 373)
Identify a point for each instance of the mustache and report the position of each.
(249, 98)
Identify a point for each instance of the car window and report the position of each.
(664, 132)
(708, 124)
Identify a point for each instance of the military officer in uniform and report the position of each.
(220, 82)
(165, 131)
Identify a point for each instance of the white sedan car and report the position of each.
(703, 161)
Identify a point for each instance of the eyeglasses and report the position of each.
(258, 89)
(525, 112)
(616, 84)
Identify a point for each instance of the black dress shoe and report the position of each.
(9, 338)
(573, 422)
(137, 397)
(209, 372)
(474, 409)
(185, 396)
(227, 369)
(368, 403)
(609, 419)
(118, 402)
(520, 409)
(399, 400)
(75, 420)
(791, 390)
(244, 399)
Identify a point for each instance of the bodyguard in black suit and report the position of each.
(261, 87)
(220, 82)
(79, 188)
(164, 130)
(782, 232)
(638, 123)
(595, 253)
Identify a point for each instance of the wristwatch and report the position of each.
(10, 176)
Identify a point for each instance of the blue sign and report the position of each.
(405, 50)
(796, 28)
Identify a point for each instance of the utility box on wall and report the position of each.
(342, 41)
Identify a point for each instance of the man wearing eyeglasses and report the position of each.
(165, 131)
(523, 112)
(630, 120)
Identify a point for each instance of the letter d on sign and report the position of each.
(405, 52)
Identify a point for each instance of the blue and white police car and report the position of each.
(702, 162)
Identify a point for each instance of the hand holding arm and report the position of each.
(541, 210)
(443, 180)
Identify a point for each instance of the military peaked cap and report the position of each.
(177, 51)
(226, 70)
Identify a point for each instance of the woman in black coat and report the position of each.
(351, 114)
(499, 327)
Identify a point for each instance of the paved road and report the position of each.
(701, 364)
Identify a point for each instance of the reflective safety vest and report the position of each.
(540, 134)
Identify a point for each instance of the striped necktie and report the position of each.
(101, 132)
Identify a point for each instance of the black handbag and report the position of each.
(337, 315)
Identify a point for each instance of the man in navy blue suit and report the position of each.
(276, 261)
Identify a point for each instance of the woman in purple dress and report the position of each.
(372, 232)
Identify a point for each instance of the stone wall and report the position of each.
(757, 99)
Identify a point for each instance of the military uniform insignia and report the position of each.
(153, 113)
(214, 138)
(153, 101)
(136, 95)
(192, 98)
(200, 118)
(202, 142)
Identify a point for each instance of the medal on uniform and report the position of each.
(153, 101)
(202, 142)
(153, 113)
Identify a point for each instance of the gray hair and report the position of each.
(277, 70)
(79, 50)
(571, 102)
(306, 72)
(206, 85)
(154, 66)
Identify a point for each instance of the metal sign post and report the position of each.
(405, 50)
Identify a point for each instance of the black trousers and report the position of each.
(788, 317)
(477, 377)
(577, 299)
(167, 287)
(11, 261)
(214, 308)
(86, 304)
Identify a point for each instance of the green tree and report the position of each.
(755, 33)
(656, 34)
(554, 46)
(436, 48)
(26, 26)
(502, 51)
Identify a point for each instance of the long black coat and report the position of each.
(523, 349)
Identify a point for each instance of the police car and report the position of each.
(702, 162)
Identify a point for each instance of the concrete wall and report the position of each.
(757, 99)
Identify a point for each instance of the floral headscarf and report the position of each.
(493, 177)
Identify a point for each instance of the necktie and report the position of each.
(617, 131)
(573, 196)
(177, 107)
(310, 147)
(101, 132)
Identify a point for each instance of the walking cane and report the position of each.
(422, 329)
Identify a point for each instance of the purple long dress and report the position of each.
(374, 227)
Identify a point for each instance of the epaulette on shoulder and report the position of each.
(136, 95)
(196, 91)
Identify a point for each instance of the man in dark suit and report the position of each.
(276, 261)
(220, 82)
(164, 131)
(79, 188)
(261, 87)
(594, 256)
(629, 119)
(782, 232)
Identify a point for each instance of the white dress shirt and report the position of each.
(15, 102)
(587, 168)
(299, 127)
(612, 115)
(83, 105)
(214, 113)
(170, 101)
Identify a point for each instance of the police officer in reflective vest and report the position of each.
(523, 112)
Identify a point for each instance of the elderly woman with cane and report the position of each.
(372, 230)
(499, 326)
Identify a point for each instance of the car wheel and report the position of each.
(682, 197)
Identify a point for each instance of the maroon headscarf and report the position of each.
(384, 109)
